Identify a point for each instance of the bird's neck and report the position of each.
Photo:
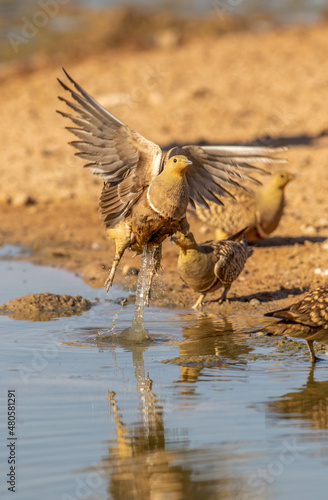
(168, 194)
(270, 206)
(190, 247)
(197, 266)
(271, 197)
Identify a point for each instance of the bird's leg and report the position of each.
(120, 249)
(223, 297)
(154, 270)
(199, 303)
(118, 255)
(124, 238)
(314, 358)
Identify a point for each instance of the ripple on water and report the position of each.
(192, 414)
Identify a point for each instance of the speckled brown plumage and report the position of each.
(210, 265)
(260, 211)
(307, 319)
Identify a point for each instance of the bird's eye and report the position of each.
(175, 160)
(282, 176)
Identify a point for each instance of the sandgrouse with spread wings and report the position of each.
(146, 190)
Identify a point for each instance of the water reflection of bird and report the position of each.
(260, 211)
(208, 266)
(146, 191)
(209, 342)
(147, 461)
(307, 319)
(309, 403)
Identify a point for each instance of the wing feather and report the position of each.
(128, 162)
(217, 169)
(124, 159)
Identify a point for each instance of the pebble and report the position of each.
(94, 274)
(308, 229)
(254, 302)
(21, 200)
(322, 223)
(130, 270)
(323, 272)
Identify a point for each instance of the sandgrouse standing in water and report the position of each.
(307, 319)
(210, 265)
(260, 211)
(146, 191)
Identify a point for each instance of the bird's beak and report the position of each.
(188, 162)
(292, 177)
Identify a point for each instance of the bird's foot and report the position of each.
(217, 301)
(221, 300)
(315, 359)
(108, 282)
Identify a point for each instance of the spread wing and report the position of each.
(238, 212)
(124, 159)
(217, 169)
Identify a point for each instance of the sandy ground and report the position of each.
(244, 88)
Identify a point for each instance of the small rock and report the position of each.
(21, 200)
(59, 254)
(254, 302)
(95, 274)
(322, 223)
(322, 272)
(130, 270)
(308, 229)
(124, 301)
(201, 92)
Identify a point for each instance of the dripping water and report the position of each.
(137, 332)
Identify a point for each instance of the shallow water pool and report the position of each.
(204, 410)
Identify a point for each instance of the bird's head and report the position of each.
(183, 241)
(280, 179)
(177, 165)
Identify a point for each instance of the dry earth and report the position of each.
(243, 88)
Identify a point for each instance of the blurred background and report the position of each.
(49, 27)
